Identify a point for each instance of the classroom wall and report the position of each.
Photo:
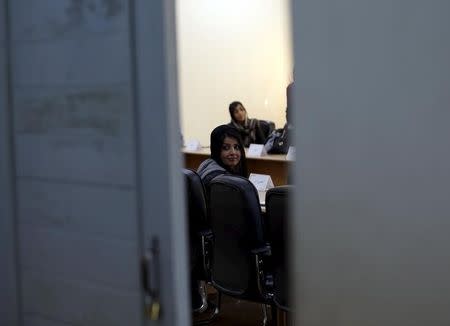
(232, 50)
(372, 226)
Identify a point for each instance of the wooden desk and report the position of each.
(275, 165)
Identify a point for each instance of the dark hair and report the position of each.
(217, 137)
(233, 106)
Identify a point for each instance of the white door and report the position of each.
(92, 162)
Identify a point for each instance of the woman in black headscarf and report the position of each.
(249, 129)
(227, 155)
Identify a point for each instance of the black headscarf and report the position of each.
(217, 137)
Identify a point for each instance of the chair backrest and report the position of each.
(196, 200)
(197, 218)
(236, 221)
(277, 212)
(267, 127)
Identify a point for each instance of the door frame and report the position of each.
(9, 280)
(158, 151)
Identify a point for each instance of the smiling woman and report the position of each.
(230, 153)
(227, 155)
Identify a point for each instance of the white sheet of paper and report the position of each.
(262, 182)
(291, 154)
(193, 145)
(262, 197)
(256, 150)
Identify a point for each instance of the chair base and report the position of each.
(216, 309)
(204, 298)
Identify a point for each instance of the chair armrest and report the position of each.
(206, 233)
(263, 251)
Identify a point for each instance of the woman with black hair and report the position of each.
(227, 155)
(250, 129)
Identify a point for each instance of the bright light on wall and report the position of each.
(226, 9)
(232, 50)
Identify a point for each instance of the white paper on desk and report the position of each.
(256, 150)
(193, 145)
(291, 154)
(262, 197)
(262, 182)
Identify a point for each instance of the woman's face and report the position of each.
(230, 154)
(239, 113)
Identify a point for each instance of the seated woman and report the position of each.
(227, 155)
(249, 129)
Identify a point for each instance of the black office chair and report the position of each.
(240, 250)
(277, 212)
(266, 127)
(200, 234)
(197, 221)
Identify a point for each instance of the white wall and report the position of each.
(232, 50)
(373, 220)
